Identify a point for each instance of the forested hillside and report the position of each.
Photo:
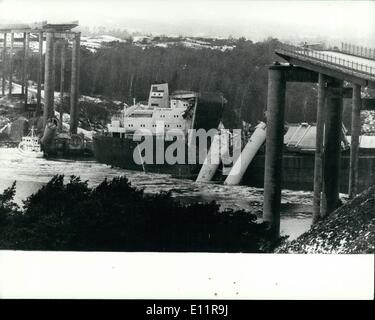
(123, 71)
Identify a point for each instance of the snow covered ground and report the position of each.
(93, 43)
(96, 42)
(368, 123)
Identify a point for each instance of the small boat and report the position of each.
(30, 146)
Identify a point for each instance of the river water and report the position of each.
(30, 174)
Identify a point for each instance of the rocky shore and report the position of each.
(350, 229)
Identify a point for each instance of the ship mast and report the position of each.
(124, 117)
(32, 131)
(193, 120)
(194, 112)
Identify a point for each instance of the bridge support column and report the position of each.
(74, 84)
(26, 65)
(39, 76)
(10, 82)
(23, 64)
(354, 145)
(62, 82)
(4, 64)
(274, 147)
(48, 79)
(332, 147)
(318, 164)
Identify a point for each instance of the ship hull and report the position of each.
(121, 153)
(298, 169)
(31, 154)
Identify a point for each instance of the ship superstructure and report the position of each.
(163, 113)
(30, 146)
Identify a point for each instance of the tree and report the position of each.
(122, 71)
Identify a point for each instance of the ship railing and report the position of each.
(327, 60)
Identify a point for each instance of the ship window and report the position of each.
(140, 115)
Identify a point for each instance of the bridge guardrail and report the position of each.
(358, 51)
(326, 59)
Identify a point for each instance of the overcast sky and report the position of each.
(256, 20)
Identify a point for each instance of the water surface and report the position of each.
(30, 174)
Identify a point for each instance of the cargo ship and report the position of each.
(184, 110)
(164, 119)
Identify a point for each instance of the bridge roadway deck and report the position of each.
(356, 69)
(360, 60)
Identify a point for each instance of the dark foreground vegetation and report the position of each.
(350, 229)
(115, 216)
